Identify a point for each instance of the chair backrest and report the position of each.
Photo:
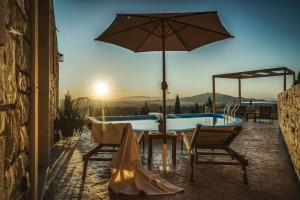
(265, 111)
(241, 110)
(214, 135)
(275, 108)
(108, 133)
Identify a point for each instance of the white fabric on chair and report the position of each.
(107, 133)
(128, 174)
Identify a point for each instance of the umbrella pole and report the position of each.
(164, 83)
(164, 88)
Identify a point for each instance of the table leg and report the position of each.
(174, 151)
(149, 149)
(143, 138)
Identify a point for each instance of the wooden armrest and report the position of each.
(187, 140)
(139, 136)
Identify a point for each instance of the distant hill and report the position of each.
(202, 98)
(138, 98)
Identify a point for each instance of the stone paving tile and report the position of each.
(270, 173)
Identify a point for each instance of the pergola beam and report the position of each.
(279, 71)
(253, 76)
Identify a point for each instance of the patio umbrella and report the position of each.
(164, 32)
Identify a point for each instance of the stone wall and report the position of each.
(15, 86)
(289, 123)
(14, 98)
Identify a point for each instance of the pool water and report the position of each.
(174, 122)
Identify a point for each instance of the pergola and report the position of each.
(279, 71)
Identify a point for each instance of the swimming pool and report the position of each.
(175, 122)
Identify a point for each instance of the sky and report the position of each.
(266, 34)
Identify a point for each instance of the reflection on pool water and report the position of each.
(174, 122)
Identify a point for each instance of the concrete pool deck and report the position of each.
(270, 173)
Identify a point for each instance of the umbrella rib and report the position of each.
(177, 30)
(127, 29)
(178, 36)
(152, 32)
(202, 28)
(146, 38)
(169, 31)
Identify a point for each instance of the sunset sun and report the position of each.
(101, 89)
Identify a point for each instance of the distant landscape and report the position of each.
(201, 99)
(139, 105)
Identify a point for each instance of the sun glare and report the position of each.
(101, 89)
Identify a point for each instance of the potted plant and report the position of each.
(69, 118)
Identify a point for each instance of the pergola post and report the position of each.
(284, 80)
(214, 93)
(240, 96)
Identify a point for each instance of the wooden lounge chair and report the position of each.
(213, 138)
(275, 112)
(241, 111)
(265, 112)
(95, 153)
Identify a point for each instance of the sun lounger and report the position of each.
(265, 112)
(241, 111)
(213, 138)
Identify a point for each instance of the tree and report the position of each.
(145, 110)
(177, 105)
(160, 109)
(209, 102)
(197, 110)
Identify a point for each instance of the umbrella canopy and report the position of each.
(165, 32)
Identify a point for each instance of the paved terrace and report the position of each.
(270, 172)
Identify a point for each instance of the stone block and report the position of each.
(17, 19)
(21, 5)
(8, 85)
(23, 81)
(9, 182)
(4, 18)
(24, 141)
(2, 152)
(2, 122)
(20, 168)
(23, 106)
(23, 54)
(12, 136)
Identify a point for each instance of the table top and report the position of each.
(156, 133)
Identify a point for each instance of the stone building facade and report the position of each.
(289, 123)
(15, 99)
